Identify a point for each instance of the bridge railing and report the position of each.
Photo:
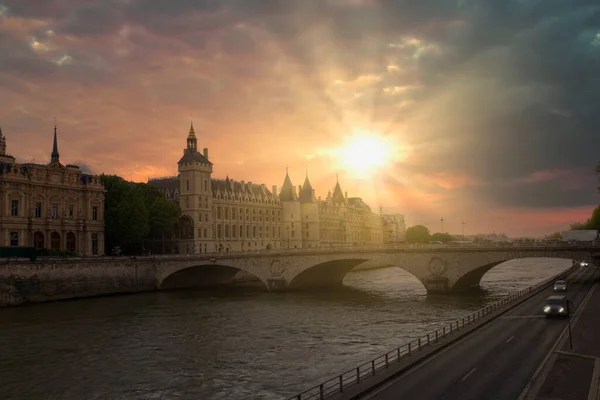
(381, 363)
(325, 249)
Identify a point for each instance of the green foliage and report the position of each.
(417, 234)
(135, 212)
(592, 223)
(555, 235)
(441, 237)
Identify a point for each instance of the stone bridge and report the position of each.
(441, 270)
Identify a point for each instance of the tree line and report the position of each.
(137, 217)
(593, 222)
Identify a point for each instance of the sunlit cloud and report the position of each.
(424, 109)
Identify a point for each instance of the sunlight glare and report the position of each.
(364, 154)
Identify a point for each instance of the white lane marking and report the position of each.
(510, 338)
(539, 376)
(522, 316)
(467, 375)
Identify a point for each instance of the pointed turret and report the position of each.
(2, 144)
(307, 193)
(288, 191)
(55, 157)
(190, 153)
(338, 195)
(192, 142)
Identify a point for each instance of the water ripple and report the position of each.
(227, 344)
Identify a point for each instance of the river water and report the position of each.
(234, 343)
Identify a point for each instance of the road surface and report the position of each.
(497, 361)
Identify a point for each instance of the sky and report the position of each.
(483, 112)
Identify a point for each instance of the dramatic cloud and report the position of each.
(495, 105)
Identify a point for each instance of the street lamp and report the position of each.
(442, 221)
(463, 229)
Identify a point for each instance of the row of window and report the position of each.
(241, 212)
(250, 232)
(14, 241)
(52, 212)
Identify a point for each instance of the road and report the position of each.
(497, 361)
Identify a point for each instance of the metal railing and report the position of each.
(403, 247)
(349, 248)
(356, 375)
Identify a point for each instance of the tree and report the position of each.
(555, 235)
(417, 234)
(442, 237)
(135, 213)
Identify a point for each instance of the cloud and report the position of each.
(498, 100)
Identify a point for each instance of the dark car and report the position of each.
(560, 286)
(556, 306)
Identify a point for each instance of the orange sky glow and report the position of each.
(404, 117)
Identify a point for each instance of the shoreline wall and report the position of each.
(26, 282)
(23, 282)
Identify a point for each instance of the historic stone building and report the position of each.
(51, 205)
(228, 215)
(220, 214)
(337, 220)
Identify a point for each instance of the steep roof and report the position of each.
(288, 191)
(307, 193)
(191, 155)
(357, 202)
(338, 196)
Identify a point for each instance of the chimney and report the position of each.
(205, 152)
(274, 190)
(346, 195)
(299, 188)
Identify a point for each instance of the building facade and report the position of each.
(50, 206)
(221, 215)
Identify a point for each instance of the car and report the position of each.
(556, 306)
(560, 286)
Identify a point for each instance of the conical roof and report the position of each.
(306, 193)
(338, 196)
(288, 191)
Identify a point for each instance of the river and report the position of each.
(234, 343)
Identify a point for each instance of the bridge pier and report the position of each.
(276, 284)
(437, 285)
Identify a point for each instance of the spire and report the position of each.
(192, 142)
(338, 195)
(192, 134)
(2, 144)
(54, 157)
(307, 193)
(288, 191)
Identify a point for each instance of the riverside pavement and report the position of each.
(573, 373)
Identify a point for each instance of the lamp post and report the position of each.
(463, 229)
(442, 221)
(288, 236)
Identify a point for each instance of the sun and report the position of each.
(364, 154)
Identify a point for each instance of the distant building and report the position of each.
(228, 215)
(51, 205)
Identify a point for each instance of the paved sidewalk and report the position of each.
(574, 373)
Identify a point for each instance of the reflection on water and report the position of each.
(236, 343)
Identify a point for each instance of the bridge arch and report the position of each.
(327, 273)
(200, 276)
(332, 272)
(472, 279)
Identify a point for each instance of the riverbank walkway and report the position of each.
(572, 369)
